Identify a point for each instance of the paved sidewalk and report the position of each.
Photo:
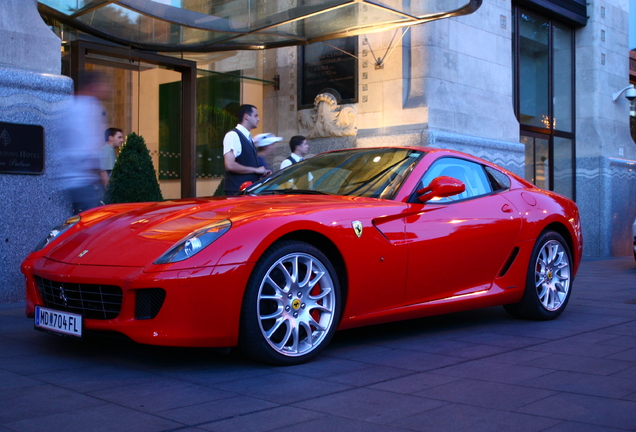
(473, 371)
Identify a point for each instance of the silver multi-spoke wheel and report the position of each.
(552, 275)
(549, 280)
(291, 307)
(296, 304)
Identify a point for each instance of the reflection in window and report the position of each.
(218, 98)
(544, 100)
(469, 173)
(562, 56)
(533, 70)
(537, 153)
(373, 173)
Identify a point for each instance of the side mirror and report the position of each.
(441, 187)
(245, 186)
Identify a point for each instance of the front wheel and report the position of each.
(549, 280)
(291, 306)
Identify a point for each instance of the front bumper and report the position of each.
(201, 307)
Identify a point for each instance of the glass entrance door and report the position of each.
(134, 105)
(549, 162)
(537, 168)
(139, 82)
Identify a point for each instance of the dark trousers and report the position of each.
(86, 197)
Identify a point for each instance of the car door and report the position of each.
(457, 245)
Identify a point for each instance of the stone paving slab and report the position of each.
(473, 371)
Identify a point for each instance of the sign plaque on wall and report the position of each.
(21, 148)
(328, 67)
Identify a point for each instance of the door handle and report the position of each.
(506, 208)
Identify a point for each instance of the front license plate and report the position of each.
(58, 322)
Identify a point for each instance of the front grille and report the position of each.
(100, 302)
(148, 303)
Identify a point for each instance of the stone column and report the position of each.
(31, 92)
(605, 151)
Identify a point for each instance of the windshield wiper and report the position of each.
(290, 191)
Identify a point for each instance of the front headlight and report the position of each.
(195, 242)
(55, 232)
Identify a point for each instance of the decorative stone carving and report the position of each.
(327, 119)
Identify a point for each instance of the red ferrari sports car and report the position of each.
(344, 239)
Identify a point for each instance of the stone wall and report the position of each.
(31, 204)
(605, 152)
(30, 93)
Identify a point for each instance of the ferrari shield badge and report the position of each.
(357, 228)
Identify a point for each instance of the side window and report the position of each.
(469, 173)
(498, 180)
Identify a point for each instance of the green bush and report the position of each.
(133, 178)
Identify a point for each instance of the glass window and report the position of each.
(562, 81)
(498, 180)
(218, 97)
(469, 173)
(544, 99)
(218, 100)
(330, 68)
(373, 173)
(533, 70)
(537, 169)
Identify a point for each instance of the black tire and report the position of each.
(549, 280)
(291, 307)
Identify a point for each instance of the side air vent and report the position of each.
(511, 259)
(148, 303)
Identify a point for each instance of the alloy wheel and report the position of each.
(552, 275)
(296, 304)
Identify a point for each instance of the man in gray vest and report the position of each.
(239, 153)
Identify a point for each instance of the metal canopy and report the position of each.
(219, 25)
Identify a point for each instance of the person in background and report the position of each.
(114, 138)
(264, 147)
(239, 154)
(299, 149)
(82, 130)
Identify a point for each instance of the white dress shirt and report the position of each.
(231, 141)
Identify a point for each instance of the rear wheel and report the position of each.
(291, 306)
(549, 280)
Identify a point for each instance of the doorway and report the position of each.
(549, 162)
(138, 82)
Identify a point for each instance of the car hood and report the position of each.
(118, 236)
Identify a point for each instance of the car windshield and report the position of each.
(375, 173)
